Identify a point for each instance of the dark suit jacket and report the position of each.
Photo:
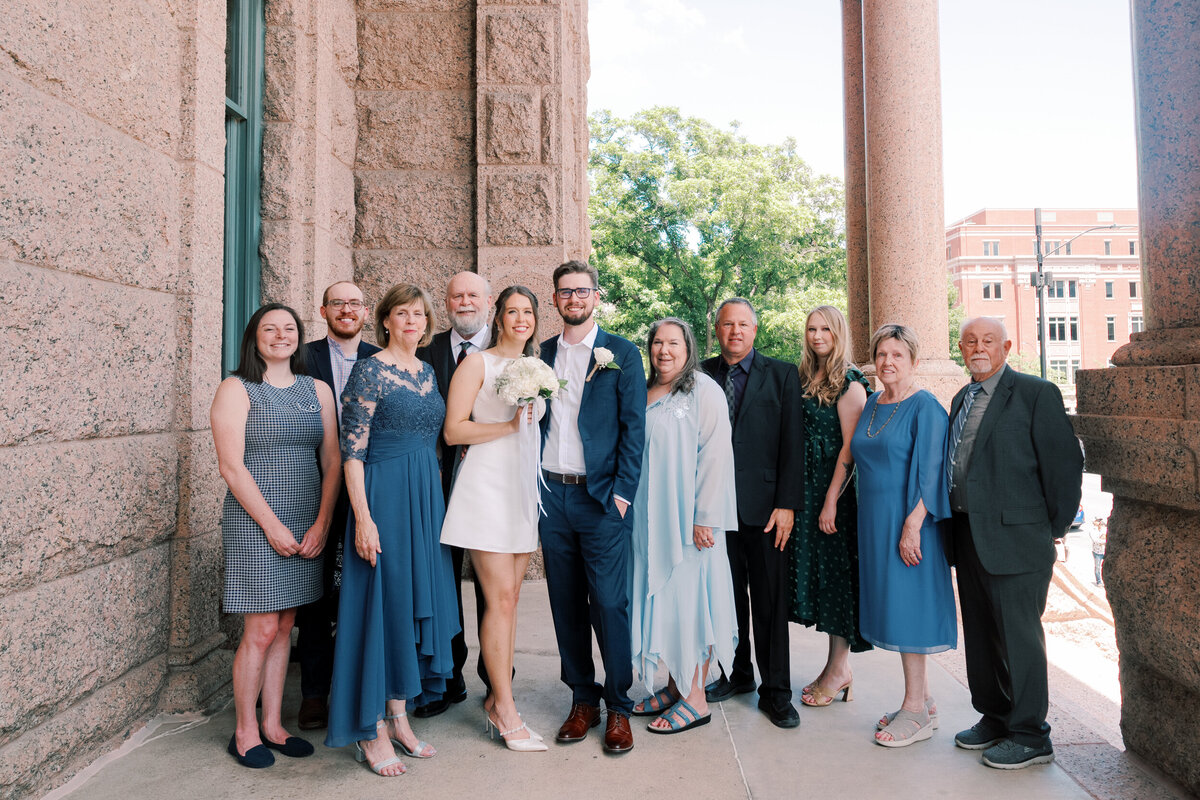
(439, 355)
(768, 439)
(612, 419)
(316, 358)
(1025, 477)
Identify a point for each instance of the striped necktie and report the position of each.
(960, 422)
(462, 353)
(729, 392)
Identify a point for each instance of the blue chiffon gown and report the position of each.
(682, 610)
(902, 461)
(395, 620)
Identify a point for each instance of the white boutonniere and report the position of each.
(604, 360)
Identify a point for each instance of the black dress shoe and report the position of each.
(314, 714)
(781, 713)
(722, 689)
(454, 694)
(256, 757)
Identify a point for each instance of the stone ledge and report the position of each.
(52, 752)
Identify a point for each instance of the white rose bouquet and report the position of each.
(527, 378)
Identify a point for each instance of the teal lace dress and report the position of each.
(823, 579)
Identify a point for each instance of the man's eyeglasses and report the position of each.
(584, 292)
(353, 305)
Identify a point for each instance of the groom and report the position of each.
(591, 460)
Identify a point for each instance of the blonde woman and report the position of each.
(824, 547)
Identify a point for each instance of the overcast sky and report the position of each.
(1037, 97)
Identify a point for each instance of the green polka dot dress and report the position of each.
(823, 578)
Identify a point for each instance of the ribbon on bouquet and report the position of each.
(531, 480)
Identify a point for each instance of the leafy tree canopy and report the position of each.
(685, 215)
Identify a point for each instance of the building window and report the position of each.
(1061, 289)
(245, 29)
(1133, 288)
(991, 291)
(947, 252)
(1108, 290)
(1057, 326)
(1074, 329)
(1133, 247)
(1111, 324)
(1135, 324)
(991, 247)
(1108, 247)
(1062, 370)
(1067, 248)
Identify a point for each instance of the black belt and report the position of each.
(569, 480)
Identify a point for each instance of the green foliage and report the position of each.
(685, 215)
(957, 312)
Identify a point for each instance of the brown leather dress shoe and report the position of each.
(581, 718)
(618, 738)
(314, 714)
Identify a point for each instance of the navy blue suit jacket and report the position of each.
(612, 419)
(316, 358)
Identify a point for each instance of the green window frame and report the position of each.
(244, 76)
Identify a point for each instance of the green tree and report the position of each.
(685, 215)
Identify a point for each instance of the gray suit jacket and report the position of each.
(1025, 477)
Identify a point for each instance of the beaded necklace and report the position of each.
(874, 408)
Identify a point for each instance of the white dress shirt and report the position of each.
(479, 341)
(564, 447)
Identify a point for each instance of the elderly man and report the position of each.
(468, 302)
(1016, 471)
(329, 359)
(768, 456)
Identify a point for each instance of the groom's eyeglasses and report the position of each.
(584, 293)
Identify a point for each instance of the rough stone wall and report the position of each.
(472, 141)
(309, 140)
(111, 163)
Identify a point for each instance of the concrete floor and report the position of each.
(739, 755)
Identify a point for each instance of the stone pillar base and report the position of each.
(201, 678)
(1143, 435)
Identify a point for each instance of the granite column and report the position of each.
(858, 291)
(1140, 420)
(905, 219)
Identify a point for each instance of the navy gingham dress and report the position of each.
(283, 432)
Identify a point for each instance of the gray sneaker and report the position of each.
(979, 736)
(1010, 755)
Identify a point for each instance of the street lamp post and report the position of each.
(1041, 278)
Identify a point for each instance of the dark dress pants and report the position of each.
(315, 622)
(760, 601)
(586, 548)
(458, 645)
(1005, 643)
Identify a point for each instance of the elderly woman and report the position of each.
(682, 616)
(906, 603)
(275, 431)
(824, 545)
(398, 608)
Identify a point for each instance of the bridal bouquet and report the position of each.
(527, 378)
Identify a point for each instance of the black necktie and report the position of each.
(729, 394)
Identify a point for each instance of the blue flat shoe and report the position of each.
(294, 747)
(256, 757)
(680, 717)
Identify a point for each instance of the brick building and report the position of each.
(1093, 299)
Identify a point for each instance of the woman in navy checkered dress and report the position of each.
(270, 425)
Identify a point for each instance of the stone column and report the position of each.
(905, 220)
(531, 142)
(858, 293)
(1140, 420)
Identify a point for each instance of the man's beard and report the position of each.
(468, 327)
(577, 318)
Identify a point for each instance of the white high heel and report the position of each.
(533, 744)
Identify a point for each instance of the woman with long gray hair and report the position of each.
(682, 616)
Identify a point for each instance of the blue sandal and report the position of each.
(678, 720)
(662, 700)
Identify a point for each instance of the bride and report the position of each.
(488, 512)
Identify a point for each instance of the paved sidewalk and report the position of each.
(739, 755)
